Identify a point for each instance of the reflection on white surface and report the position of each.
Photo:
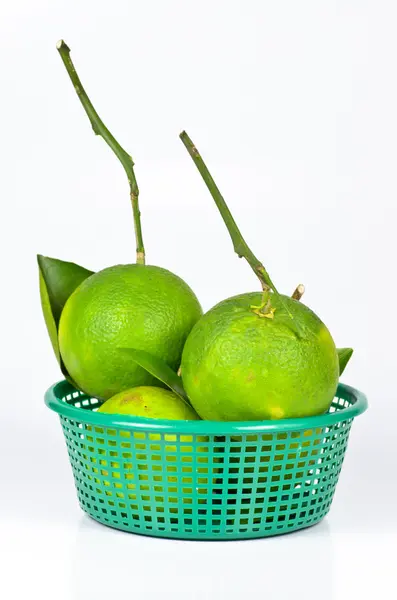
(109, 564)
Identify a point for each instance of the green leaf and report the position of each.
(61, 279)
(58, 279)
(159, 369)
(49, 317)
(344, 355)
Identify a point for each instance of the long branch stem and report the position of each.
(101, 130)
(240, 246)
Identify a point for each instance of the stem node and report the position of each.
(299, 291)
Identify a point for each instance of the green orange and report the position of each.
(150, 402)
(144, 307)
(238, 365)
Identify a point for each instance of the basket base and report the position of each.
(180, 535)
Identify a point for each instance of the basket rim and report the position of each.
(60, 389)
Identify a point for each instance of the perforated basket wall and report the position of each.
(200, 479)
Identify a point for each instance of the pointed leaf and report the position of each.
(344, 355)
(49, 317)
(159, 369)
(58, 279)
(61, 279)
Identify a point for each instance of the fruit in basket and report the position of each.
(128, 305)
(155, 403)
(150, 402)
(237, 366)
(258, 355)
(89, 316)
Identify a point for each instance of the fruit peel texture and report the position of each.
(144, 307)
(237, 366)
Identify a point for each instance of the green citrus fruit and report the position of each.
(137, 306)
(238, 365)
(151, 402)
(164, 455)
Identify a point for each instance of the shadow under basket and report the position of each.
(204, 479)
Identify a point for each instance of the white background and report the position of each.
(293, 105)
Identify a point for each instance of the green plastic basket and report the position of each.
(204, 479)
